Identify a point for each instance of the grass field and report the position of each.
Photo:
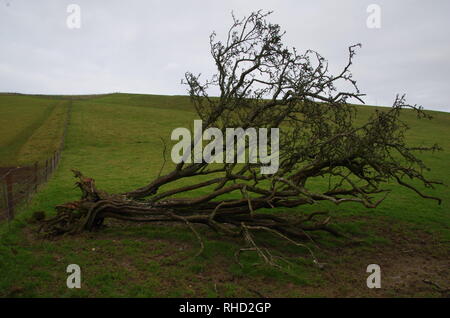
(30, 128)
(116, 140)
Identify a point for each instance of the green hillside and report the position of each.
(116, 139)
(30, 128)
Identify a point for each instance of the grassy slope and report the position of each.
(30, 128)
(115, 139)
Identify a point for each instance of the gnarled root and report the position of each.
(89, 212)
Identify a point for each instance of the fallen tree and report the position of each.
(262, 83)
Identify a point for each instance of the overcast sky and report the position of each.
(146, 46)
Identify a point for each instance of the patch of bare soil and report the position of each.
(414, 264)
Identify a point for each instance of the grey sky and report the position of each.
(146, 46)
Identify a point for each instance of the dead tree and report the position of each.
(262, 83)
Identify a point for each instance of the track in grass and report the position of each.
(30, 128)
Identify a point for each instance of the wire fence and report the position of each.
(18, 184)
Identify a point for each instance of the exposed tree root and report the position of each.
(89, 213)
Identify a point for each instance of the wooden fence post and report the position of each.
(46, 170)
(52, 160)
(5, 196)
(35, 181)
(9, 195)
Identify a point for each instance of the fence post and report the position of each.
(52, 163)
(5, 196)
(35, 181)
(46, 170)
(9, 195)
